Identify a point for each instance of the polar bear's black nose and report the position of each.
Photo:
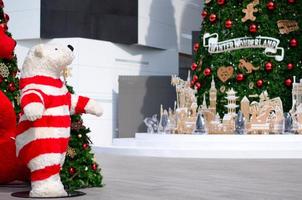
(70, 47)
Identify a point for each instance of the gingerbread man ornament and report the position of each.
(249, 11)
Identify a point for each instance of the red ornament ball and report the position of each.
(192, 83)
(293, 42)
(204, 13)
(268, 66)
(291, 1)
(228, 24)
(207, 71)
(196, 47)
(197, 85)
(194, 66)
(4, 26)
(220, 2)
(1, 4)
(212, 18)
(290, 66)
(72, 170)
(6, 17)
(259, 83)
(271, 5)
(240, 77)
(94, 166)
(11, 87)
(253, 28)
(195, 78)
(85, 146)
(7, 45)
(288, 82)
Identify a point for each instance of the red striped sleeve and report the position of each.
(43, 146)
(45, 121)
(46, 172)
(42, 80)
(30, 98)
(81, 104)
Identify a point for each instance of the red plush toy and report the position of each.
(7, 45)
(10, 166)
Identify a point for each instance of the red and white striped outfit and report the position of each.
(42, 144)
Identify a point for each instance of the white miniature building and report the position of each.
(245, 107)
(232, 98)
(213, 96)
(296, 94)
(204, 103)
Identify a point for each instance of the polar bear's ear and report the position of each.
(39, 51)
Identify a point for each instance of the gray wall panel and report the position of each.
(140, 97)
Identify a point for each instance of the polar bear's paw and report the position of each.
(34, 111)
(93, 107)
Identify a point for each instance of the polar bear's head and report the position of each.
(47, 60)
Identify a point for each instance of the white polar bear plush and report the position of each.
(44, 128)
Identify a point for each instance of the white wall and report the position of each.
(95, 72)
(24, 18)
(168, 24)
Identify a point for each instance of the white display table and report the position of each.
(208, 146)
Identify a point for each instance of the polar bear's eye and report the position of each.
(56, 49)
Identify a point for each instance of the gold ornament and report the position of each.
(251, 85)
(249, 11)
(18, 98)
(247, 65)
(66, 73)
(222, 89)
(287, 26)
(4, 72)
(71, 152)
(225, 73)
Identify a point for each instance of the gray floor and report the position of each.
(143, 178)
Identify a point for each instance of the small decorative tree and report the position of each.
(80, 169)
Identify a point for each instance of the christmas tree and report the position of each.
(250, 46)
(80, 169)
(9, 82)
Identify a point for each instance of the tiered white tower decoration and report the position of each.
(232, 98)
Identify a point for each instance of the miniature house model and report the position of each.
(296, 95)
(296, 110)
